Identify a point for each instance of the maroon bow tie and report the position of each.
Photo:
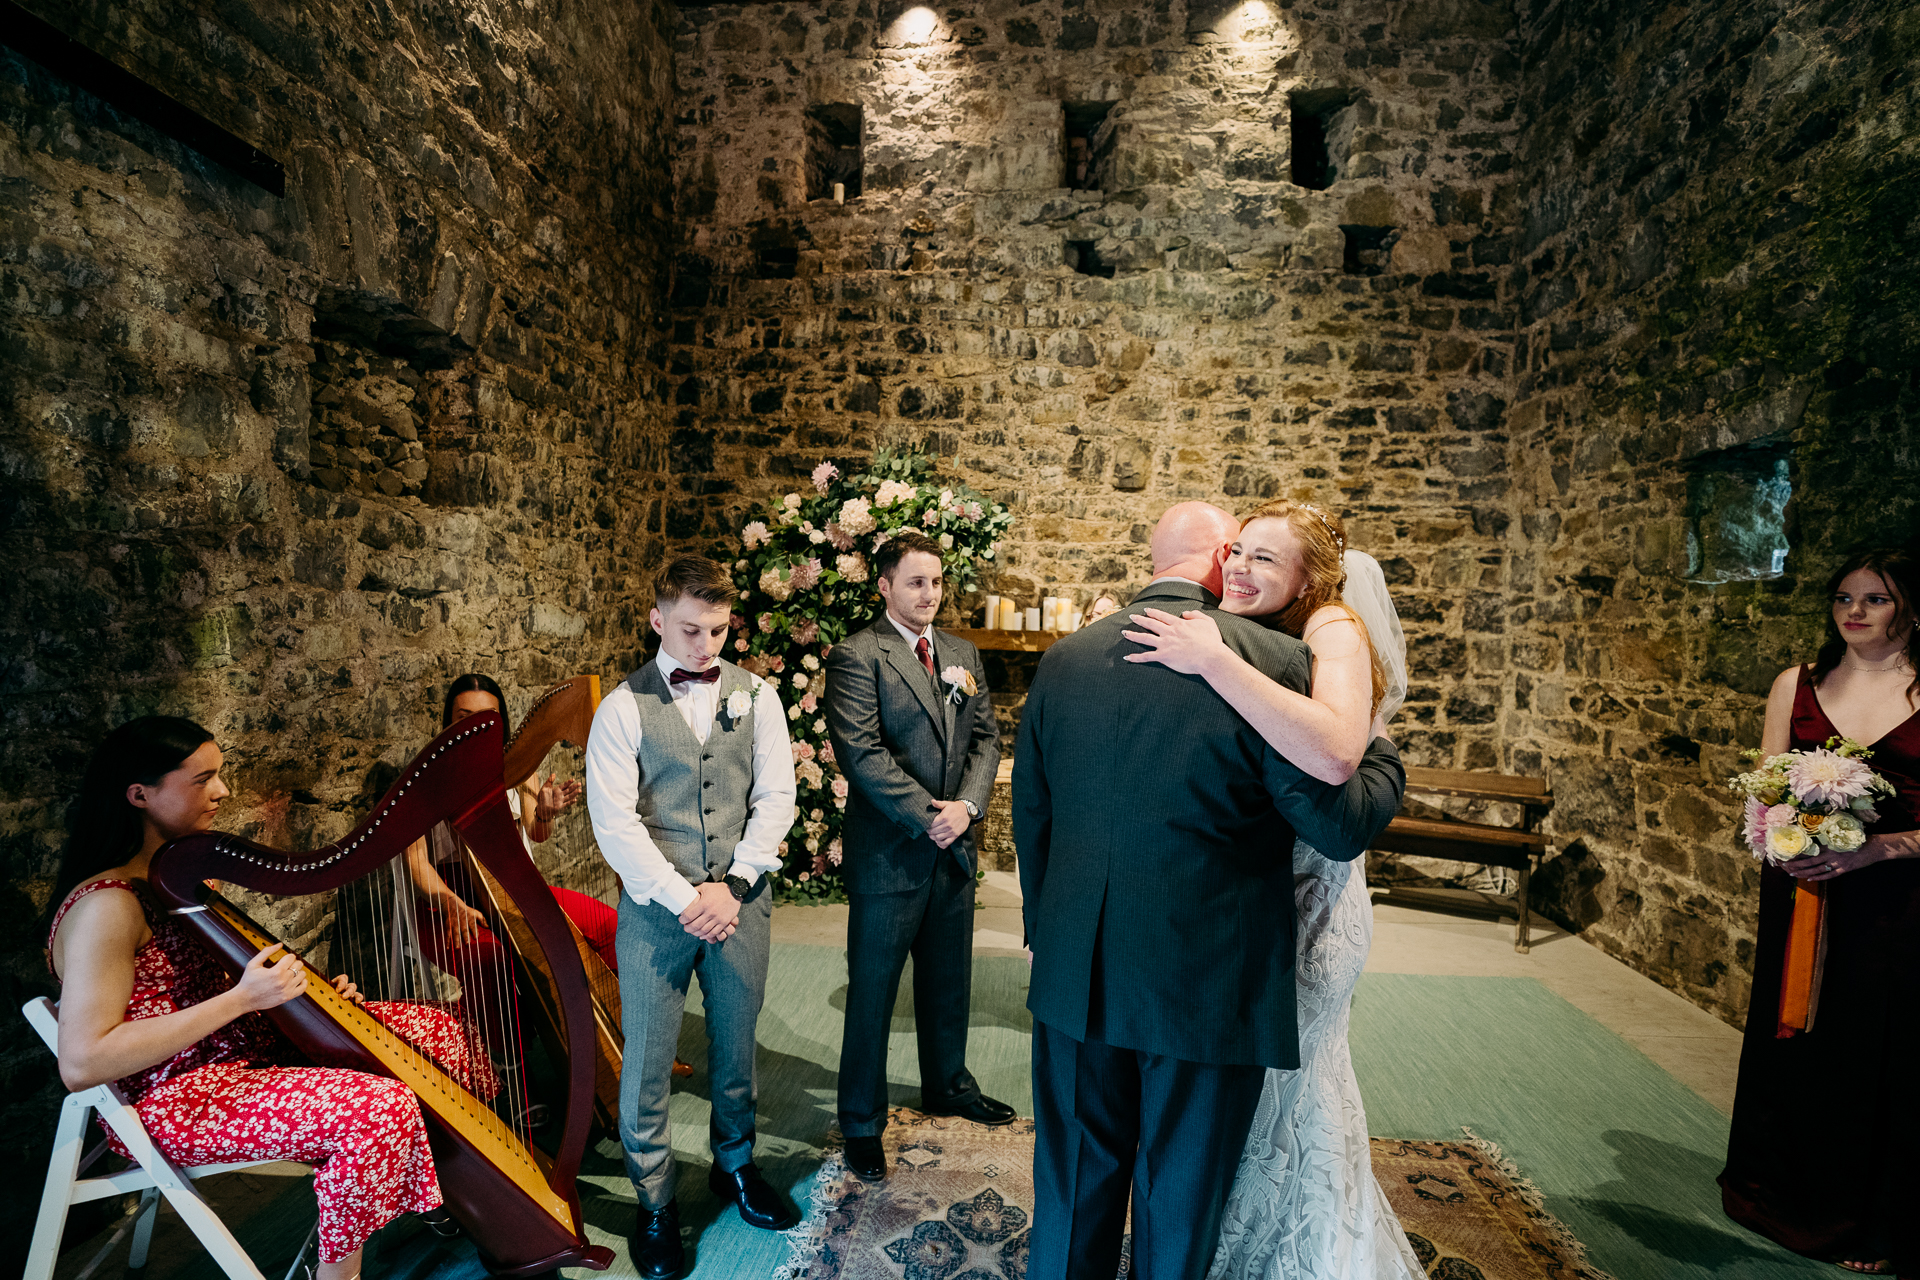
(684, 676)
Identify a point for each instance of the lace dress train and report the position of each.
(1305, 1204)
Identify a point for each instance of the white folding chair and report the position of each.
(153, 1175)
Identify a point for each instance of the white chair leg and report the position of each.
(143, 1229)
(69, 1144)
(194, 1211)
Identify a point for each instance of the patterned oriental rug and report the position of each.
(957, 1205)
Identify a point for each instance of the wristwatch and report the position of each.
(973, 810)
(738, 887)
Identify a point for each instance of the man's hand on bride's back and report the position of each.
(1189, 644)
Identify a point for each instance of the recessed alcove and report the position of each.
(1320, 122)
(1082, 256)
(833, 131)
(1736, 514)
(1368, 250)
(1087, 145)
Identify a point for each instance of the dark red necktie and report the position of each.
(684, 676)
(926, 654)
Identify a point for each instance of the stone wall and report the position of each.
(284, 465)
(1201, 326)
(1716, 283)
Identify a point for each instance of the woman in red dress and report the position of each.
(1824, 1120)
(144, 1004)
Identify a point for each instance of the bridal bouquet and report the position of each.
(1801, 802)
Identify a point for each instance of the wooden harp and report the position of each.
(563, 713)
(518, 1204)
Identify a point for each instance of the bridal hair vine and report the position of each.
(1339, 543)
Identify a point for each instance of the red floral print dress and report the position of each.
(243, 1092)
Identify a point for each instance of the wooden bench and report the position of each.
(1458, 841)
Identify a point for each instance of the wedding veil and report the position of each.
(1366, 594)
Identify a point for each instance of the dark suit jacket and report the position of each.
(904, 742)
(1155, 832)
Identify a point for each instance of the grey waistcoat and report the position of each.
(693, 795)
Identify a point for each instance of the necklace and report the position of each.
(1899, 661)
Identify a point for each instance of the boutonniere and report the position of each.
(960, 683)
(739, 705)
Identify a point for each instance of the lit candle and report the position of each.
(1009, 614)
(993, 613)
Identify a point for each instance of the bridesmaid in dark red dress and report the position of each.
(1824, 1121)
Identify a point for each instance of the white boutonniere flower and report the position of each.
(960, 683)
(739, 705)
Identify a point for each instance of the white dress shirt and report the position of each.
(613, 787)
(913, 638)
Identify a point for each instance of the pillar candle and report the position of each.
(1033, 617)
(1009, 614)
(839, 193)
(993, 613)
(1079, 619)
(1050, 613)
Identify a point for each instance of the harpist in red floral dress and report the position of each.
(143, 1004)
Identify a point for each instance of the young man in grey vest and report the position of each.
(690, 784)
(914, 730)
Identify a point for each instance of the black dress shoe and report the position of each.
(657, 1252)
(759, 1204)
(867, 1158)
(979, 1108)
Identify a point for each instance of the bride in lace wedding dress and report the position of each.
(1305, 1204)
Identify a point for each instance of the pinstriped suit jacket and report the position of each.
(1155, 833)
(903, 742)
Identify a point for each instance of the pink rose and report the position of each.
(840, 788)
(826, 752)
(1782, 815)
(808, 702)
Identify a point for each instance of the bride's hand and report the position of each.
(1187, 644)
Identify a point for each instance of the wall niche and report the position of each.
(380, 379)
(1088, 132)
(1737, 514)
(1321, 124)
(833, 149)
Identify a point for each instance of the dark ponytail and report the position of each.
(474, 683)
(103, 830)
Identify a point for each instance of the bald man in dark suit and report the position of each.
(1155, 833)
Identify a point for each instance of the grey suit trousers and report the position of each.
(933, 924)
(658, 958)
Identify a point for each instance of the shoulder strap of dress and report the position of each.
(82, 892)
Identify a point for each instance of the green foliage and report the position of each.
(804, 571)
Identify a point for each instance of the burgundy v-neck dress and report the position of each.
(1823, 1122)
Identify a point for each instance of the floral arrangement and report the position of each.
(1799, 802)
(804, 572)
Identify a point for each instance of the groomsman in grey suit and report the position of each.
(1155, 830)
(913, 730)
(690, 784)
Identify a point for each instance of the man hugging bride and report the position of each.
(1194, 778)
